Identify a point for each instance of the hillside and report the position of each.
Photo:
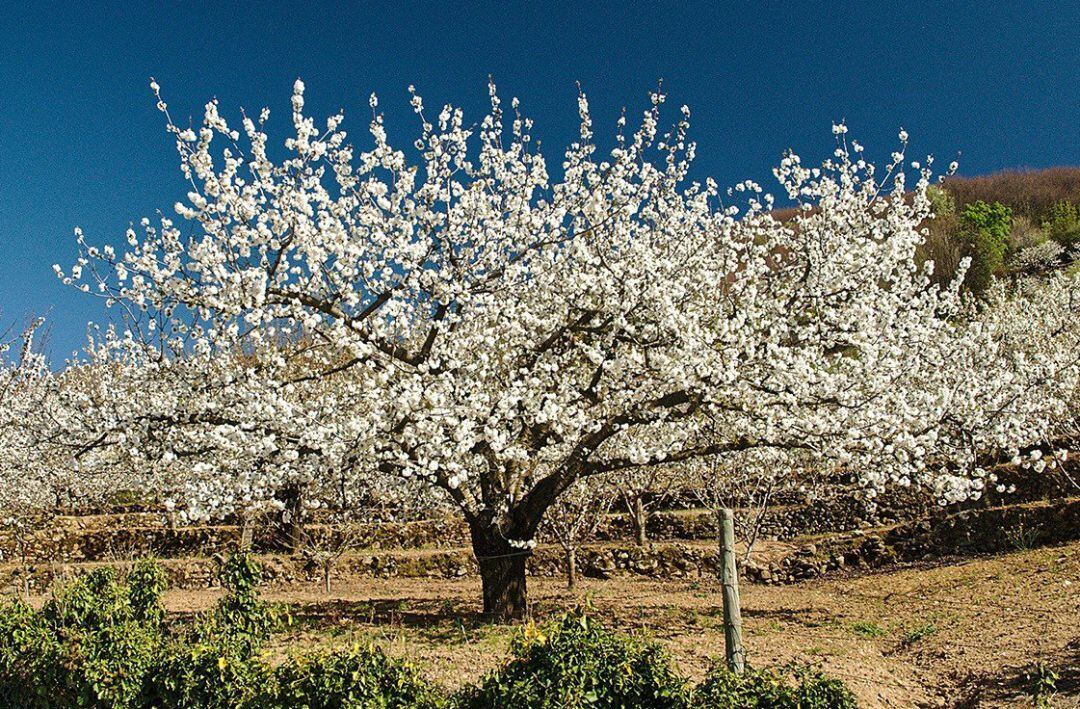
(1031, 193)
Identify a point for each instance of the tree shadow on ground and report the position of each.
(807, 614)
(1010, 683)
(421, 613)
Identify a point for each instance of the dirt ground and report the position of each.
(957, 634)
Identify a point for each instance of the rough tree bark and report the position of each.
(291, 533)
(502, 566)
(640, 520)
(247, 533)
(502, 573)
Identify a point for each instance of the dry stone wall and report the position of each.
(964, 533)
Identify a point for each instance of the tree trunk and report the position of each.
(24, 555)
(291, 535)
(571, 568)
(640, 520)
(502, 574)
(247, 533)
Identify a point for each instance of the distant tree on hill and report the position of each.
(986, 229)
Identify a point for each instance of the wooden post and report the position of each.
(729, 578)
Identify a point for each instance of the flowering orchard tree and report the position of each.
(70, 434)
(223, 433)
(1035, 324)
(575, 517)
(644, 488)
(25, 382)
(499, 334)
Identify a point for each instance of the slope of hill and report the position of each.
(1030, 193)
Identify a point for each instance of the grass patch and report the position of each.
(919, 633)
(867, 629)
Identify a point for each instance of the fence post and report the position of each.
(729, 578)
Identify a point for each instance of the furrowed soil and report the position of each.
(951, 634)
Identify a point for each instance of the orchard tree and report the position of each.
(575, 517)
(226, 433)
(1035, 323)
(499, 333)
(24, 386)
(642, 490)
(746, 482)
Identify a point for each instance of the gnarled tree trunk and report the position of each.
(502, 573)
(291, 534)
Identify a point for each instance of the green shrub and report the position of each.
(767, 689)
(1063, 224)
(28, 651)
(724, 689)
(88, 601)
(241, 613)
(100, 642)
(89, 646)
(576, 662)
(814, 690)
(215, 662)
(353, 679)
(146, 582)
(108, 634)
(216, 671)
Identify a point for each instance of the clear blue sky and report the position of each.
(81, 143)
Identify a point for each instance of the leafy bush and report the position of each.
(767, 689)
(353, 679)
(576, 662)
(209, 670)
(146, 582)
(724, 689)
(1063, 224)
(215, 663)
(241, 612)
(995, 220)
(91, 645)
(28, 652)
(986, 229)
(100, 641)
